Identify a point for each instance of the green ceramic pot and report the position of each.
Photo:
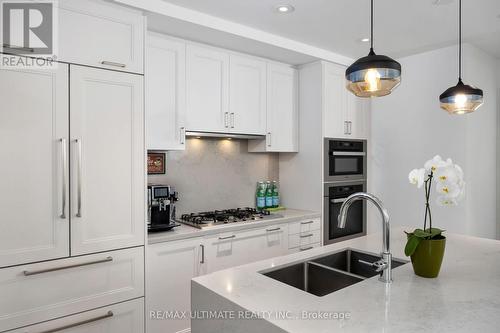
(428, 256)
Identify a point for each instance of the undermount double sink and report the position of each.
(323, 275)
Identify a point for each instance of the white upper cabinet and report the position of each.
(191, 87)
(165, 93)
(359, 116)
(207, 82)
(33, 150)
(335, 102)
(96, 33)
(344, 115)
(247, 95)
(282, 113)
(107, 160)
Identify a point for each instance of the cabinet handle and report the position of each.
(227, 237)
(83, 322)
(349, 126)
(232, 119)
(274, 229)
(226, 117)
(346, 127)
(202, 261)
(305, 236)
(64, 161)
(305, 249)
(269, 142)
(111, 63)
(48, 270)
(182, 135)
(79, 177)
(308, 222)
(21, 48)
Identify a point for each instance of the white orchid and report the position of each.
(417, 177)
(449, 179)
(449, 189)
(450, 185)
(447, 174)
(435, 163)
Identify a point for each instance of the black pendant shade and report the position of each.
(373, 75)
(462, 98)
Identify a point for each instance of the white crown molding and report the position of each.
(181, 13)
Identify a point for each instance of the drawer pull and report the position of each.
(202, 261)
(83, 322)
(305, 249)
(305, 236)
(274, 229)
(111, 63)
(48, 270)
(308, 222)
(227, 237)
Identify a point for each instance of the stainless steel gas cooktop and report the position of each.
(220, 217)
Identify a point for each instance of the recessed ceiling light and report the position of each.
(364, 40)
(285, 9)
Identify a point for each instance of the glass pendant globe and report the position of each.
(373, 76)
(461, 99)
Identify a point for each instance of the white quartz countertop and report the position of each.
(184, 231)
(464, 298)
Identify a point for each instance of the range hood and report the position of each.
(224, 135)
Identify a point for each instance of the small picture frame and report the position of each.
(156, 163)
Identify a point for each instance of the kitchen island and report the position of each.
(464, 298)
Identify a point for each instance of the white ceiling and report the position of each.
(402, 27)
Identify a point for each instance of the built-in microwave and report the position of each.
(344, 160)
(334, 195)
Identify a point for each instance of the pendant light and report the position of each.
(373, 75)
(462, 98)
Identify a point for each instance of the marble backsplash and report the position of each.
(216, 174)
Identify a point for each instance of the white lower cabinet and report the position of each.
(39, 292)
(126, 317)
(238, 248)
(170, 267)
(304, 235)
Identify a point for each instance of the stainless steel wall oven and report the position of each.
(334, 195)
(344, 159)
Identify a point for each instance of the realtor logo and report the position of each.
(28, 28)
(27, 32)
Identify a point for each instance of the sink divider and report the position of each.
(329, 268)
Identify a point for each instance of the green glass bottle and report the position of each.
(260, 196)
(269, 194)
(276, 195)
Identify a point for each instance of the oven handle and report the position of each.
(347, 153)
(335, 201)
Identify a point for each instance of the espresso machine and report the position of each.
(161, 208)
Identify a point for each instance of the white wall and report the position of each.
(408, 127)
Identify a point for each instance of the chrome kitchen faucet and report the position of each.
(384, 264)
